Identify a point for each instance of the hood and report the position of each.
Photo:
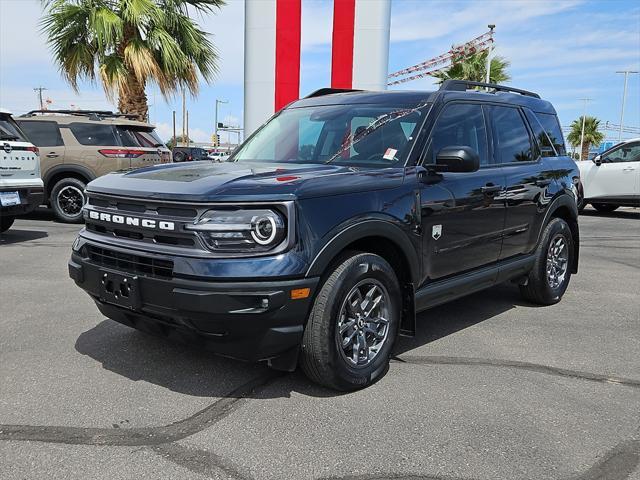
(244, 181)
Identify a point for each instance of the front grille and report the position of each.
(172, 212)
(127, 262)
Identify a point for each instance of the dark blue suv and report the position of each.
(334, 223)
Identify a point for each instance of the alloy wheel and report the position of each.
(363, 323)
(557, 261)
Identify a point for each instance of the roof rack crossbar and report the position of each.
(95, 114)
(464, 85)
(328, 91)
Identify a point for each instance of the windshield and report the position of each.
(355, 135)
(9, 129)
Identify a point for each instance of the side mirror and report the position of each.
(457, 159)
(597, 160)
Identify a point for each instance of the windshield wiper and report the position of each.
(9, 137)
(377, 123)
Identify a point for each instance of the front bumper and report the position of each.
(30, 198)
(248, 320)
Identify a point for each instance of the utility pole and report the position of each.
(184, 115)
(187, 139)
(39, 90)
(489, 51)
(215, 126)
(584, 117)
(624, 99)
(175, 140)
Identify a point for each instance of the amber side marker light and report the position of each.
(299, 293)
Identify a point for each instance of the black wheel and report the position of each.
(551, 272)
(352, 327)
(604, 207)
(5, 222)
(67, 199)
(179, 157)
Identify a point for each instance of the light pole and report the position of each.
(215, 126)
(584, 117)
(488, 76)
(624, 99)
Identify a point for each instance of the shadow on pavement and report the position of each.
(624, 213)
(15, 235)
(193, 371)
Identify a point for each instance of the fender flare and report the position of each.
(64, 168)
(358, 231)
(569, 202)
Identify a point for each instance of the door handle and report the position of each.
(628, 169)
(52, 155)
(543, 182)
(490, 188)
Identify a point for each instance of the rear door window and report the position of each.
(42, 133)
(511, 140)
(547, 148)
(95, 134)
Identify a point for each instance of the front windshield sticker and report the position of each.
(390, 154)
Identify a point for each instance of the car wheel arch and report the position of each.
(565, 207)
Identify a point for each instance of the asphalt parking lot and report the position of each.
(491, 388)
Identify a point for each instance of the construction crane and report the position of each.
(441, 62)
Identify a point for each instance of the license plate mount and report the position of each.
(9, 199)
(121, 290)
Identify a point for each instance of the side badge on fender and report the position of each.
(436, 232)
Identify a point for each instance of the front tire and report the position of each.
(5, 222)
(67, 199)
(352, 327)
(551, 272)
(604, 207)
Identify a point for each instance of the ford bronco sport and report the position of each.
(80, 145)
(334, 223)
(21, 188)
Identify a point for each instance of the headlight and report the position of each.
(241, 231)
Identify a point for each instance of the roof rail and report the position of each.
(464, 85)
(93, 114)
(328, 91)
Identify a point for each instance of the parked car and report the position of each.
(21, 188)
(334, 223)
(78, 146)
(218, 156)
(612, 178)
(189, 154)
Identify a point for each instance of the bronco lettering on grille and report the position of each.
(131, 221)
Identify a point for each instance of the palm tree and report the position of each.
(473, 67)
(131, 43)
(591, 134)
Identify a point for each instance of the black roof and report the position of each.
(450, 90)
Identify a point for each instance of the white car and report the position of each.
(612, 178)
(21, 188)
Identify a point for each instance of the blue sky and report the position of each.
(563, 49)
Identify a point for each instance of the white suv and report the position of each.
(21, 188)
(612, 179)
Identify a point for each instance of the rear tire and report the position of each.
(179, 157)
(349, 335)
(551, 272)
(67, 199)
(5, 222)
(604, 207)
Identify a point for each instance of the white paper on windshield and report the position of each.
(390, 154)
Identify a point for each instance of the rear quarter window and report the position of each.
(94, 134)
(42, 133)
(551, 125)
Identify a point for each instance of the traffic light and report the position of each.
(215, 140)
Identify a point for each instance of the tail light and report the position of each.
(190, 157)
(121, 153)
(34, 150)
